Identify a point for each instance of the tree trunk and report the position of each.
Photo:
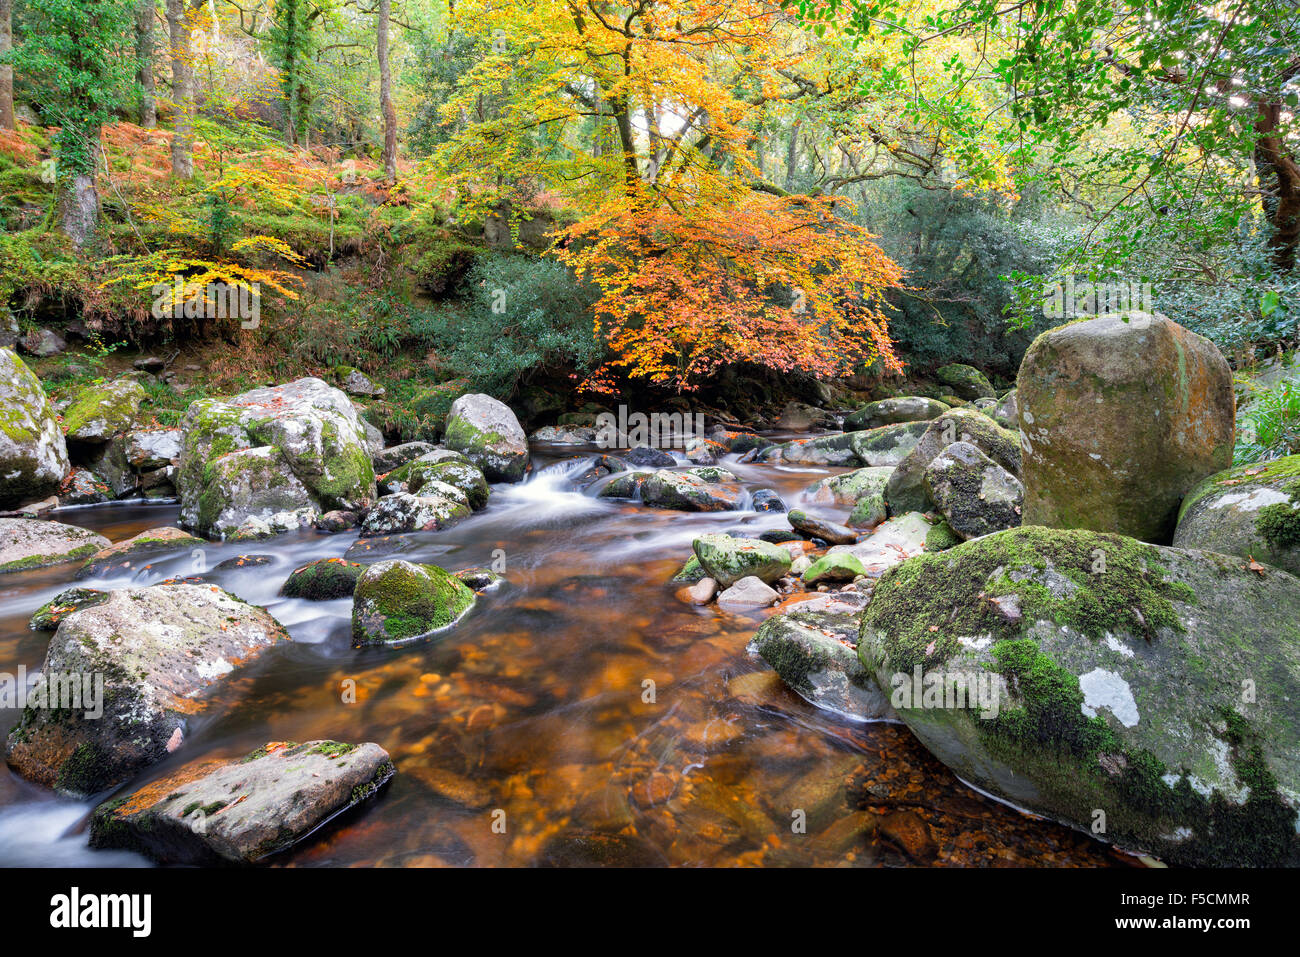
(6, 71)
(182, 91)
(386, 92)
(79, 207)
(144, 14)
(1278, 174)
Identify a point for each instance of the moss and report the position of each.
(363, 791)
(1112, 584)
(333, 749)
(84, 770)
(940, 538)
(407, 601)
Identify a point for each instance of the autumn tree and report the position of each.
(180, 27)
(382, 17)
(6, 68)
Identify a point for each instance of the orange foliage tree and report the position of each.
(643, 115)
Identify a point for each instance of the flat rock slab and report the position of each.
(155, 651)
(238, 812)
(136, 551)
(33, 543)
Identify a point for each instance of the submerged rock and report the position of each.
(489, 435)
(35, 543)
(1068, 671)
(1252, 511)
(397, 601)
(815, 653)
(33, 452)
(238, 812)
(155, 651)
(1121, 416)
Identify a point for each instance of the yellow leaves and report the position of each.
(270, 243)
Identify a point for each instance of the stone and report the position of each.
(240, 812)
(158, 650)
(102, 411)
(254, 483)
(138, 550)
(829, 532)
(800, 417)
(397, 601)
(750, 592)
(905, 408)
(36, 543)
(404, 512)
(1120, 417)
(1155, 683)
(815, 653)
(565, 435)
(686, 492)
(967, 382)
(727, 560)
(890, 543)
(1252, 511)
(888, 445)
(390, 458)
(767, 500)
(906, 490)
(357, 383)
(463, 477)
(702, 592)
(84, 487)
(975, 495)
(1006, 412)
(48, 616)
(653, 458)
(834, 567)
(489, 435)
(147, 449)
(33, 452)
(623, 486)
(323, 580)
(42, 343)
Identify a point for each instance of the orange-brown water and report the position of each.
(581, 715)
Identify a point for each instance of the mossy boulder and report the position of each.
(1073, 672)
(941, 538)
(848, 488)
(101, 411)
(836, 449)
(815, 654)
(688, 492)
(902, 408)
(27, 543)
(965, 381)
(1120, 417)
(463, 476)
(906, 489)
(158, 651)
(48, 616)
(399, 479)
(834, 567)
(390, 458)
(33, 451)
(1252, 511)
(241, 811)
(323, 580)
(131, 553)
(489, 435)
(727, 560)
(306, 430)
(627, 486)
(1006, 412)
(404, 512)
(887, 445)
(397, 601)
(975, 495)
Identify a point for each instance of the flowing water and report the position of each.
(581, 714)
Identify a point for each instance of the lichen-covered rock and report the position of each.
(238, 812)
(84, 487)
(848, 487)
(1252, 511)
(102, 411)
(623, 486)
(887, 445)
(836, 449)
(323, 580)
(966, 381)
(254, 528)
(903, 408)
(48, 616)
(687, 492)
(489, 435)
(462, 476)
(1099, 673)
(157, 650)
(35, 543)
(815, 653)
(138, 550)
(404, 512)
(906, 489)
(1007, 411)
(390, 458)
(33, 452)
(565, 435)
(315, 441)
(398, 601)
(830, 532)
(1120, 416)
(146, 449)
(727, 560)
(357, 383)
(42, 343)
(891, 542)
(975, 495)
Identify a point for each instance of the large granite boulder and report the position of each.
(35, 543)
(239, 812)
(1252, 511)
(280, 449)
(33, 452)
(974, 494)
(1120, 416)
(101, 411)
(906, 490)
(154, 653)
(489, 435)
(1146, 694)
(966, 382)
(901, 408)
